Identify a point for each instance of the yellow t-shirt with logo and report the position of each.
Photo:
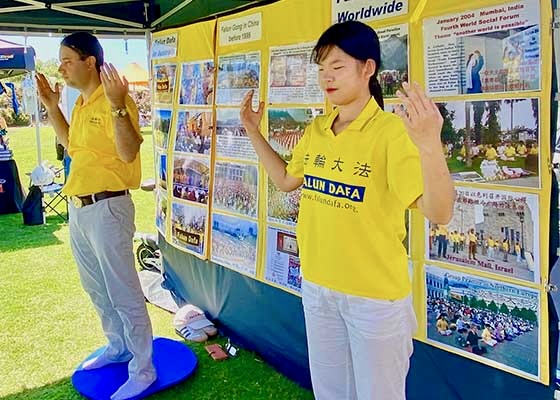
(96, 166)
(357, 186)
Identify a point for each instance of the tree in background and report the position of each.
(50, 69)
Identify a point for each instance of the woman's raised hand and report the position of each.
(421, 117)
(249, 118)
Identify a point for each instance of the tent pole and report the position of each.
(37, 120)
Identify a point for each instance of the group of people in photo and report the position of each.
(493, 157)
(442, 242)
(235, 196)
(473, 328)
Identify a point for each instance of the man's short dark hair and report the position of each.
(85, 44)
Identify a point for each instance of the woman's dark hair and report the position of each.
(359, 41)
(85, 44)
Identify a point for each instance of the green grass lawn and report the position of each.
(455, 165)
(48, 325)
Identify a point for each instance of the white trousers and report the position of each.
(101, 237)
(359, 348)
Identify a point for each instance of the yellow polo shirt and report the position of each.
(96, 166)
(357, 186)
(491, 154)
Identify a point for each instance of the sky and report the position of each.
(115, 49)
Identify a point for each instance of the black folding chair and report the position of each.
(54, 201)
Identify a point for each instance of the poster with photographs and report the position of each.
(488, 50)
(188, 227)
(191, 178)
(484, 319)
(292, 76)
(234, 243)
(231, 137)
(282, 259)
(197, 83)
(194, 131)
(161, 211)
(164, 82)
(237, 74)
(492, 141)
(492, 231)
(394, 53)
(285, 128)
(162, 125)
(236, 188)
(161, 168)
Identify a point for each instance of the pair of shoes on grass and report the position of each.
(192, 325)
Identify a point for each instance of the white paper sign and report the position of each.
(165, 46)
(240, 30)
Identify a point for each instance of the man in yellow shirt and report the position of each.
(103, 139)
(441, 235)
(473, 242)
(510, 152)
(491, 153)
(505, 249)
(490, 247)
(521, 149)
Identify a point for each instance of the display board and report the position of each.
(488, 68)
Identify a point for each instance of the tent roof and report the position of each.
(135, 73)
(131, 17)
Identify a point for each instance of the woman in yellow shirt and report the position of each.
(360, 168)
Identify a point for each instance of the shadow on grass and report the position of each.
(17, 236)
(63, 389)
(243, 377)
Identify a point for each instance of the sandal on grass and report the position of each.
(192, 335)
(198, 321)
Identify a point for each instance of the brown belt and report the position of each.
(82, 201)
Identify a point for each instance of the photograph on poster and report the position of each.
(282, 259)
(488, 50)
(191, 178)
(194, 131)
(293, 75)
(236, 188)
(492, 231)
(162, 125)
(234, 243)
(484, 319)
(394, 53)
(161, 168)
(188, 227)
(197, 83)
(164, 82)
(161, 211)
(231, 138)
(492, 141)
(238, 74)
(285, 128)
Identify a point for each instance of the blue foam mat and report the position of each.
(173, 360)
